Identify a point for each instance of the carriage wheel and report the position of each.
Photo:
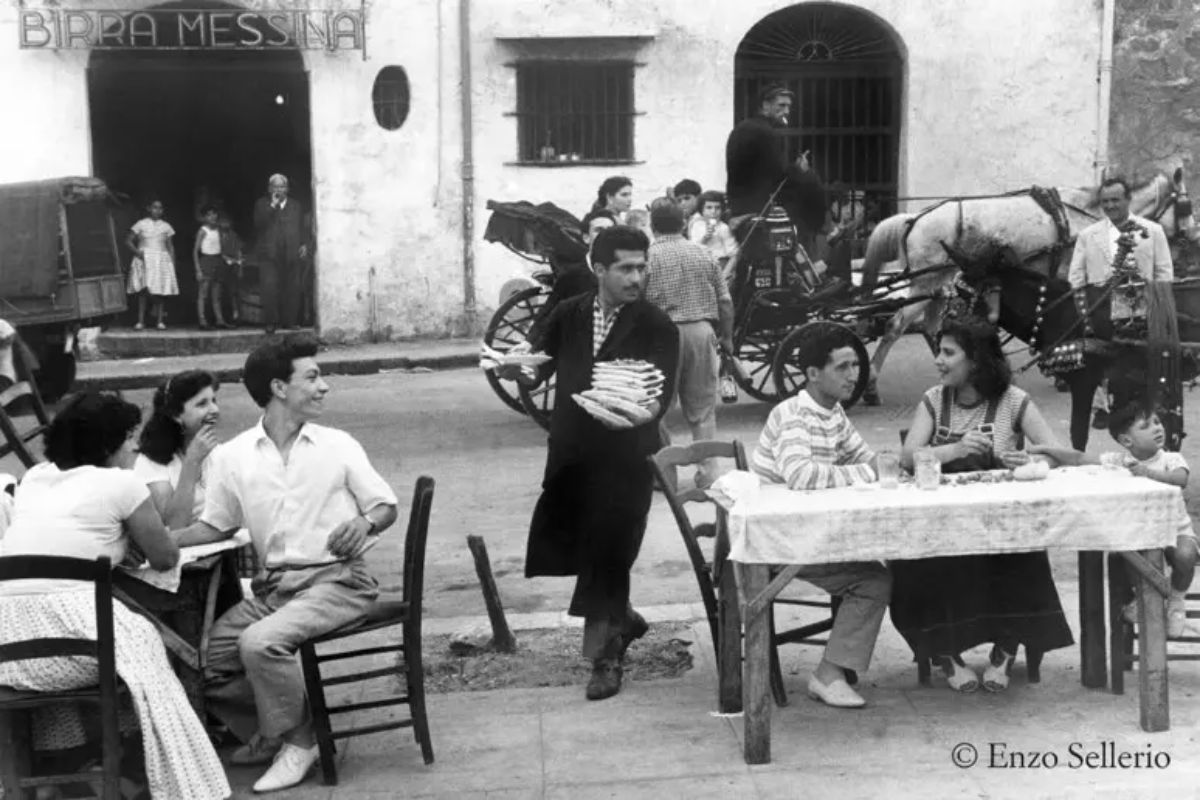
(508, 327)
(538, 401)
(789, 379)
(756, 355)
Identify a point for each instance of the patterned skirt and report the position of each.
(180, 761)
(155, 274)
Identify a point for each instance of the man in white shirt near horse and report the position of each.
(1092, 264)
(311, 501)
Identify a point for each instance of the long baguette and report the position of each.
(638, 413)
(601, 413)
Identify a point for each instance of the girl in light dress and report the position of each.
(707, 227)
(153, 268)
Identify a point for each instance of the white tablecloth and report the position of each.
(1088, 508)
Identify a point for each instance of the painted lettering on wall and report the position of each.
(306, 29)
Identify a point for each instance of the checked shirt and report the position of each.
(684, 280)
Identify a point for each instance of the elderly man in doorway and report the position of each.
(281, 247)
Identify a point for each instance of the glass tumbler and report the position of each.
(928, 469)
(889, 469)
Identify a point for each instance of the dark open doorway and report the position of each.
(193, 128)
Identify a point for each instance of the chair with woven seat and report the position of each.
(666, 463)
(19, 399)
(387, 612)
(16, 705)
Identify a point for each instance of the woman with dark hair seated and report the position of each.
(85, 502)
(976, 419)
(175, 444)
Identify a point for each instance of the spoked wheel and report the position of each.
(538, 402)
(790, 379)
(756, 354)
(508, 327)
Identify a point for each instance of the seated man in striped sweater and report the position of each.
(808, 443)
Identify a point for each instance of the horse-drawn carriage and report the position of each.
(777, 305)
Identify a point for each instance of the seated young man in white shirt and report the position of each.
(808, 443)
(310, 499)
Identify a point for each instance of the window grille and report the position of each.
(571, 112)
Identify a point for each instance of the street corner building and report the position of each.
(397, 121)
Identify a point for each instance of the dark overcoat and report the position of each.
(597, 486)
(279, 232)
(755, 163)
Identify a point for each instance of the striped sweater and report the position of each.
(807, 446)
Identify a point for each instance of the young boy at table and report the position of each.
(808, 443)
(310, 499)
(1139, 430)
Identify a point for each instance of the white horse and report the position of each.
(977, 228)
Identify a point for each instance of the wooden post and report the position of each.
(729, 647)
(503, 640)
(1152, 649)
(1093, 669)
(756, 677)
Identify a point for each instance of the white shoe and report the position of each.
(1176, 616)
(289, 768)
(836, 693)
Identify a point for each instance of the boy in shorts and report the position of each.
(1140, 432)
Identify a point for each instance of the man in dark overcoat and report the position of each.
(756, 163)
(596, 491)
(281, 249)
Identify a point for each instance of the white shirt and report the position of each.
(210, 241)
(290, 509)
(79, 512)
(151, 471)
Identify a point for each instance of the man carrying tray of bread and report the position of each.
(615, 356)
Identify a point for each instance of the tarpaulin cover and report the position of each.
(29, 232)
(544, 229)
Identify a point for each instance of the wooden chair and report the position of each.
(21, 398)
(1033, 657)
(1123, 634)
(665, 464)
(387, 612)
(15, 705)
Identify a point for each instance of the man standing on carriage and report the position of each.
(758, 172)
(1094, 263)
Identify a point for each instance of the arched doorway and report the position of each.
(846, 70)
(200, 126)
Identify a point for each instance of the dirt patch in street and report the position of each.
(550, 657)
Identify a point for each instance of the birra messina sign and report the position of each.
(189, 29)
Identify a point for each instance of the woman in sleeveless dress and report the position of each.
(152, 270)
(975, 419)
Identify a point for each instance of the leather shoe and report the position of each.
(836, 693)
(290, 767)
(635, 629)
(606, 679)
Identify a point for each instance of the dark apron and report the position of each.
(946, 605)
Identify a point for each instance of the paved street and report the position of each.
(488, 461)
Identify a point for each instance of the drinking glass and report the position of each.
(928, 469)
(889, 469)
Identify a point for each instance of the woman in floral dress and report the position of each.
(153, 269)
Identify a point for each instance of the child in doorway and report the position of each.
(209, 263)
(230, 274)
(152, 270)
(707, 227)
(1139, 430)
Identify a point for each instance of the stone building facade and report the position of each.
(910, 101)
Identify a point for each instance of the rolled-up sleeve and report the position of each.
(368, 486)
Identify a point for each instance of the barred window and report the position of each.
(571, 112)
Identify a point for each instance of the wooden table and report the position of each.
(774, 531)
(208, 585)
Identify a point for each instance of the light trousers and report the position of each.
(255, 683)
(865, 589)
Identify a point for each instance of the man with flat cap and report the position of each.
(756, 162)
(281, 249)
